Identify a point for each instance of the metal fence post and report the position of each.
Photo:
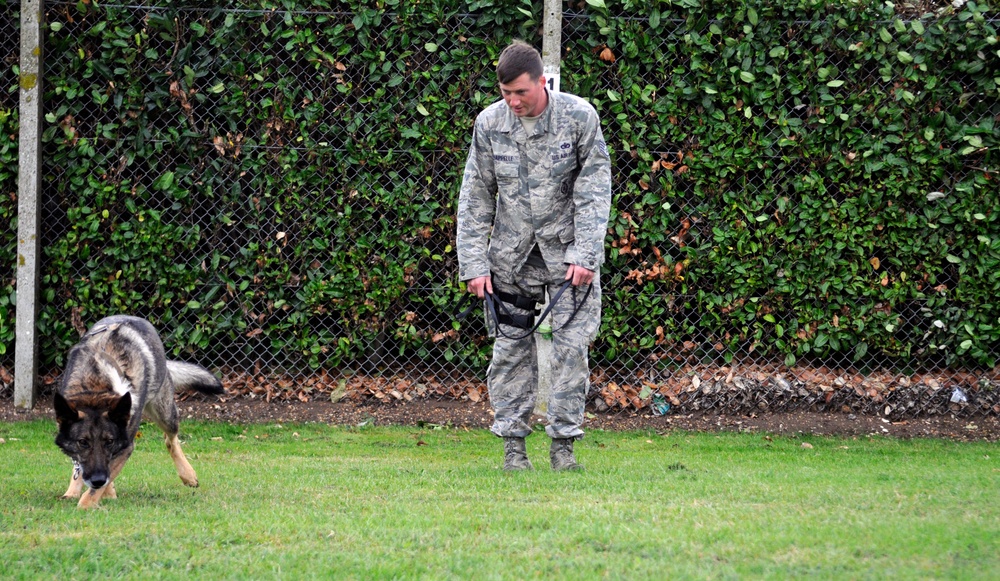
(28, 204)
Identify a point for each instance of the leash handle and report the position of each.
(490, 301)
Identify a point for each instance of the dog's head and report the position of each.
(93, 432)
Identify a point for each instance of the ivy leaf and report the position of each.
(431, 47)
(884, 35)
(835, 84)
(422, 110)
(953, 259)
(752, 16)
(747, 77)
(904, 57)
(597, 3)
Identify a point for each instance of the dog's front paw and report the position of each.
(88, 501)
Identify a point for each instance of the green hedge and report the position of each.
(813, 139)
(8, 224)
(280, 182)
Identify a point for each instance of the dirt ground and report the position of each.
(430, 412)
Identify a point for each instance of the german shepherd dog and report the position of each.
(115, 376)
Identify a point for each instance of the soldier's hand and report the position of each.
(579, 275)
(480, 286)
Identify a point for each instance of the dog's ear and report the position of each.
(65, 414)
(122, 409)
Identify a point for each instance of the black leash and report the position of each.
(506, 317)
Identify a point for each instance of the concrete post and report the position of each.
(28, 205)
(552, 43)
(551, 58)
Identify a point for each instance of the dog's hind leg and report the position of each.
(164, 414)
(75, 483)
(184, 469)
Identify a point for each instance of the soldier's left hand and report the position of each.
(579, 275)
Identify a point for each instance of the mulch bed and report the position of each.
(428, 413)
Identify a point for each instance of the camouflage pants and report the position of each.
(512, 378)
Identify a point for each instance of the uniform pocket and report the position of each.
(563, 169)
(506, 173)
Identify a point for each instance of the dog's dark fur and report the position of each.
(115, 376)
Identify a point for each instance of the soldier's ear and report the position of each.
(65, 414)
(120, 413)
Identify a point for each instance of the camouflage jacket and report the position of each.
(552, 188)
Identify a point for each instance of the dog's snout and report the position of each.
(97, 481)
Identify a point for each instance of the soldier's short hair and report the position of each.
(518, 58)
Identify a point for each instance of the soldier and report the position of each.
(532, 214)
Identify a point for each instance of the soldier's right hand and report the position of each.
(479, 286)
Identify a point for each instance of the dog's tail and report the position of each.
(190, 376)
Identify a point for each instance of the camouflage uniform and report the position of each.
(529, 207)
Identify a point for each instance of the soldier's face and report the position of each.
(526, 98)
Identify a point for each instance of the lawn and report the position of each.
(315, 501)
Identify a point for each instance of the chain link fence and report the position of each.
(9, 50)
(665, 375)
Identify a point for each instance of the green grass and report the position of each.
(313, 501)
